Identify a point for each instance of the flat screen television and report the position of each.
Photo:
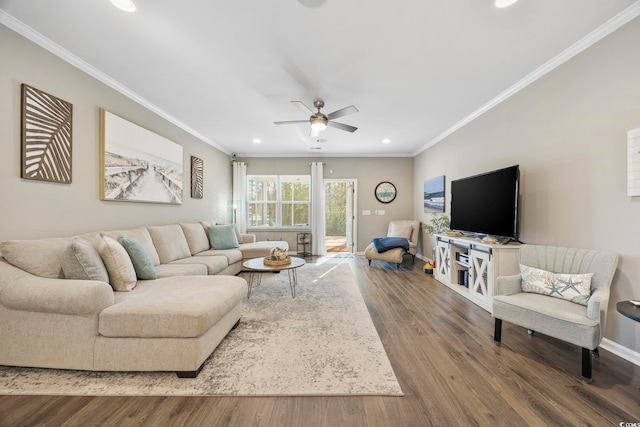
(487, 203)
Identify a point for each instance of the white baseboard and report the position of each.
(619, 350)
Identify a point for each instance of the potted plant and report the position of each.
(437, 224)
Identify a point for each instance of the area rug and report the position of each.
(322, 342)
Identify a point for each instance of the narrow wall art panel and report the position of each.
(196, 177)
(137, 165)
(434, 194)
(46, 136)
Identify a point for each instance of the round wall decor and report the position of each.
(385, 192)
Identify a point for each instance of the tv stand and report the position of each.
(470, 266)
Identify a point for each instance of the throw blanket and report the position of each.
(383, 244)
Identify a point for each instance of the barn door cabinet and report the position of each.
(470, 266)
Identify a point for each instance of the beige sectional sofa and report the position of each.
(172, 323)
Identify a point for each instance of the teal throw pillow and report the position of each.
(142, 264)
(223, 237)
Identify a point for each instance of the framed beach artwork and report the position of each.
(137, 165)
(434, 194)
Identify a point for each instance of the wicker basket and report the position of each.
(269, 261)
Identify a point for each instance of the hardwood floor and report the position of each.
(442, 350)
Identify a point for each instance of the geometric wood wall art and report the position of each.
(46, 136)
(196, 177)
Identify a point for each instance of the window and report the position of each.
(278, 200)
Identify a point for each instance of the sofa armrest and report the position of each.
(597, 305)
(508, 285)
(63, 296)
(248, 238)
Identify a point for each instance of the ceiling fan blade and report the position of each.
(290, 122)
(342, 112)
(314, 132)
(342, 126)
(301, 105)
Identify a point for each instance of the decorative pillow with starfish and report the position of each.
(573, 287)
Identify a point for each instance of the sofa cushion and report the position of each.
(223, 237)
(141, 262)
(171, 270)
(142, 236)
(122, 276)
(232, 255)
(82, 261)
(170, 242)
(572, 287)
(196, 236)
(41, 257)
(214, 264)
(261, 249)
(173, 307)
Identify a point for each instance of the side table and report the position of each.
(626, 308)
(303, 241)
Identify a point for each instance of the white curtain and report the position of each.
(317, 209)
(239, 201)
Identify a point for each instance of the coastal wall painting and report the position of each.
(434, 194)
(197, 178)
(137, 165)
(46, 136)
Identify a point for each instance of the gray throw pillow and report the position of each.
(141, 261)
(223, 237)
(82, 262)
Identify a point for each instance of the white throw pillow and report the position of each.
(401, 230)
(572, 287)
(122, 275)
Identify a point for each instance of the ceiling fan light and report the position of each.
(505, 3)
(126, 5)
(318, 124)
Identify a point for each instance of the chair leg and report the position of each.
(369, 262)
(397, 266)
(497, 331)
(595, 352)
(531, 331)
(586, 365)
(414, 258)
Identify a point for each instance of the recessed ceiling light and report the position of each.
(386, 141)
(256, 141)
(126, 5)
(312, 3)
(505, 3)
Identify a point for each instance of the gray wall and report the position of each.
(568, 132)
(368, 172)
(32, 209)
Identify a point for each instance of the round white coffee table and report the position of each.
(256, 267)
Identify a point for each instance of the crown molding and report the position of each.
(590, 39)
(47, 44)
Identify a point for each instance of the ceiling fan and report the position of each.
(319, 121)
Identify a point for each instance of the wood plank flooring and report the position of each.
(441, 348)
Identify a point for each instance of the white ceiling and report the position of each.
(226, 70)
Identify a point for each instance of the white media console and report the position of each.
(470, 266)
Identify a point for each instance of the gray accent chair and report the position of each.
(562, 319)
